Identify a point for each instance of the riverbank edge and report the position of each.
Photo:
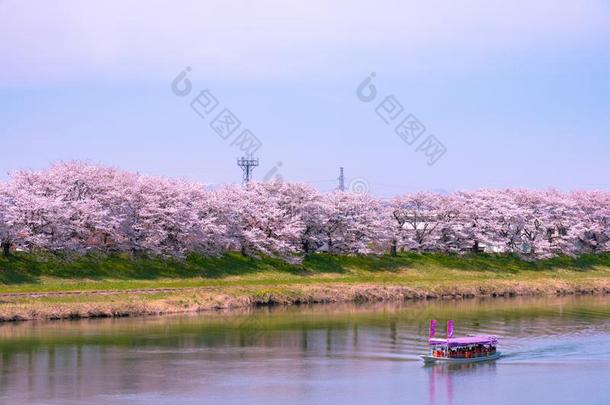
(154, 302)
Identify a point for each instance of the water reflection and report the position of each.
(441, 378)
(368, 353)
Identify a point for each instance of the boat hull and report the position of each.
(431, 359)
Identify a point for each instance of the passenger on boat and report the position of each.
(469, 351)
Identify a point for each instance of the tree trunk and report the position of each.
(393, 248)
(6, 248)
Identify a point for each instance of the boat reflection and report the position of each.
(442, 376)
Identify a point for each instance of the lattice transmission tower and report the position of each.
(341, 179)
(247, 166)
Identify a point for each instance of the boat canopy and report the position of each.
(465, 341)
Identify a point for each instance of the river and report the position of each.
(556, 350)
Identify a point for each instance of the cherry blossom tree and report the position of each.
(592, 231)
(262, 218)
(351, 223)
(6, 221)
(419, 218)
(79, 207)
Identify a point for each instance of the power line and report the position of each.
(318, 181)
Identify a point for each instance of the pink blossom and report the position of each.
(74, 206)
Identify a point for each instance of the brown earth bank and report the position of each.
(142, 302)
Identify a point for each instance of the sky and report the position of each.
(516, 94)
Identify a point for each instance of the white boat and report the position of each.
(459, 350)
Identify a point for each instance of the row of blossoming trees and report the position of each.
(80, 207)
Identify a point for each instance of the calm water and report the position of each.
(557, 351)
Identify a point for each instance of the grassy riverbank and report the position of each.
(42, 287)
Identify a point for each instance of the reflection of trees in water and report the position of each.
(393, 334)
(252, 324)
(82, 371)
(89, 357)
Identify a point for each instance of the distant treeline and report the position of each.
(78, 207)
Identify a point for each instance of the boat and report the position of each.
(456, 350)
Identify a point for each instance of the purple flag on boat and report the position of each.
(450, 328)
(432, 327)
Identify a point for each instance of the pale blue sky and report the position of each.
(519, 94)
